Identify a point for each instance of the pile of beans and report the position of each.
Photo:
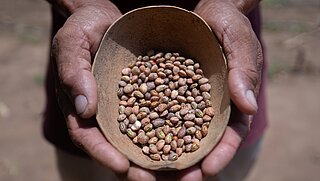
(165, 105)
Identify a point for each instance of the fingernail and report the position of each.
(252, 99)
(80, 102)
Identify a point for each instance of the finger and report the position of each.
(88, 137)
(223, 153)
(242, 50)
(136, 173)
(193, 173)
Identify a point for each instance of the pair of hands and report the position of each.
(73, 50)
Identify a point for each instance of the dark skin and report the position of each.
(76, 43)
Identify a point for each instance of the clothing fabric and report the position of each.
(54, 127)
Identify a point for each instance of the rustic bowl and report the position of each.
(168, 29)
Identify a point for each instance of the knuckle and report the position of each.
(58, 38)
(254, 77)
(76, 139)
(259, 57)
(97, 147)
(238, 26)
(65, 77)
(56, 44)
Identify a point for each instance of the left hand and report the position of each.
(244, 56)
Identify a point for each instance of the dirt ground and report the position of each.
(290, 150)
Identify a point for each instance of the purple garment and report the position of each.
(54, 127)
(259, 123)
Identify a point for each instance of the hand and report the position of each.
(73, 47)
(244, 57)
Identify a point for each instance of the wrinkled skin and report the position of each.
(74, 47)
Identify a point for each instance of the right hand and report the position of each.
(73, 48)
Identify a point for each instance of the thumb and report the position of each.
(72, 57)
(74, 71)
(242, 50)
(73, 48)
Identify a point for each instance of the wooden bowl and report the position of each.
(169, 29)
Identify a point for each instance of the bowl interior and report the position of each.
(167, 29)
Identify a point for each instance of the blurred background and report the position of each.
(290, 151)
